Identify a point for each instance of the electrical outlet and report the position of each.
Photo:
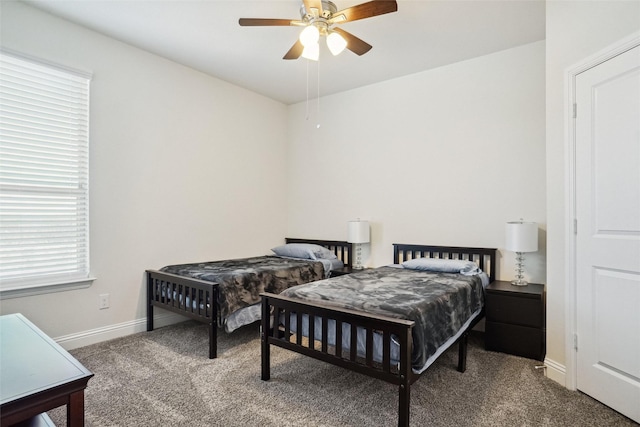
(103, 301)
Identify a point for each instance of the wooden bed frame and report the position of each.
(319, 348)
(206, 309)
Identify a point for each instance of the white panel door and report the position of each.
(608, 232)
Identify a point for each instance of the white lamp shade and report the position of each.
(336, 43)
(358, 232)
(311, 51)
(309, 35)
(521, 236)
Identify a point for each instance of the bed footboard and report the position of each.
(292, 337)
(193, 298)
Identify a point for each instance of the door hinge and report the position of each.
(575, 111)
(575, 341)
(575, 226)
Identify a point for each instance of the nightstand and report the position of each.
(344, 270)
(515, 319)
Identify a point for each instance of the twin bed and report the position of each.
(400, 318)
(226, 294)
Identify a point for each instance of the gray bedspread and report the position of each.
(438, 303)
(242, 280)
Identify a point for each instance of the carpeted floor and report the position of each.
(164, 378)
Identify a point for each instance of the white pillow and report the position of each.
(304, 251)
(441, 265)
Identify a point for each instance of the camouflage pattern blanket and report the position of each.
(438, 303)
(242, 280)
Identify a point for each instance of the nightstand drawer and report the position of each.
(513, 339)
(515, 310)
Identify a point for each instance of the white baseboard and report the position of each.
(555, 371)
(94, 336)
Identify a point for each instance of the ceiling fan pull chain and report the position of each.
(307, 116)
(318, 95)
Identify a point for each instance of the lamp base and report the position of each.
(357, 265)
(519, 282)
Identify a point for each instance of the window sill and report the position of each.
(46, 288)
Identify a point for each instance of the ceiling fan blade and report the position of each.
(259, 22)
(295, 51)
(364, 10)
(354, 44)
(313, 4)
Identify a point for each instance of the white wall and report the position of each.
(445, 156)
(576, 30)
(184, 167)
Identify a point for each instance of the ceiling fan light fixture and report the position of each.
(311, 51)
(318, 18)
(336, 43)
(309, 36)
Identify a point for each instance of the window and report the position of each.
(44, 177)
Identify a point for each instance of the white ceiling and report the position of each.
(205, 35)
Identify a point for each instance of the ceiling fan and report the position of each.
(319, 18)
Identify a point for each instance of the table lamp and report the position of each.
(521, 237)
(358, 233)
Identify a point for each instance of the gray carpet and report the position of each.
(163, 378)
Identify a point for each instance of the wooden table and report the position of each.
(37, 375)
(515, 319)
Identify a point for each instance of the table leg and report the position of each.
(75, 409)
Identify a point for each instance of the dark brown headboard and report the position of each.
(342, 249)
(484, 257)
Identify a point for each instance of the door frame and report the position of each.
(571, 288)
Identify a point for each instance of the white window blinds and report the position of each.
(44, 167)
